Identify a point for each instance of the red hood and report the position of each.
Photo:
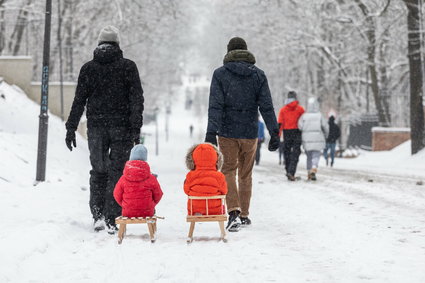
(292, 105)
(136, 170)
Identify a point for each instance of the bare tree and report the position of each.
(2, 26)
(18, 31)
(416, 83)
(370, 25)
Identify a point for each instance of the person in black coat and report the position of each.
(238, 90)
(334, 134)
(110, 90)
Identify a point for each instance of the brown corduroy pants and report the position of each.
(239, 157)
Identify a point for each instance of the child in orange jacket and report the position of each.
(204, 179)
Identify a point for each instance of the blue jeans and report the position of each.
(331, 147)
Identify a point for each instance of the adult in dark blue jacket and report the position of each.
(238, 90)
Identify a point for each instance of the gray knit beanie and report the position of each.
(139, 152)
(109, 34)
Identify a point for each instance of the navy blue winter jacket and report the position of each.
(238, 90)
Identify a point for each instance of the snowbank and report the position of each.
(396, 161)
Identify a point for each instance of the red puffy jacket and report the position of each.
(289, 116)
(137, 191)
(204, 179)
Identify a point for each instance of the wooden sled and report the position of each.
(150, 221)
(221, 218)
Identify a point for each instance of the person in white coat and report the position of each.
(314, 129)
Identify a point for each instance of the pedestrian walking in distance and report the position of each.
(288, 123)
(314, 129)
(334, 134)
(238, 90)
(191, 130)
(109, 89)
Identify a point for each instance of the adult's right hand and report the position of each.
(135, 135)
(211, 138)
(70, 139)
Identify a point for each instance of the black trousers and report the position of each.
(109, 150)
(291, 149)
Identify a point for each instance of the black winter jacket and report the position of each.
(238, 90)
(110, 86)
(334, 131)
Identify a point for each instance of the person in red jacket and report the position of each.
(288, 121)
(137, 191)
(204, 179)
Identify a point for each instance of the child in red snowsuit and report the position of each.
(204, 179)
(137, 191)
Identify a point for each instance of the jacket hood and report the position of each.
(136, 170)
(292, 105)
(331, 120)
(313, 105)
(204, 156)
(240, 68)
(240, 62)
(106, 53)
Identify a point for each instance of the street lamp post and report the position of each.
(44, 116)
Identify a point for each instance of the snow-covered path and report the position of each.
(341, 229)
(344, 228)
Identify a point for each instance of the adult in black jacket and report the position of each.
(238, 90)
(334, 133)
(109, 88)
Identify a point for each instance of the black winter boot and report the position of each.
(111, 227)
(99, 224)
(233, 224)
(245, 221)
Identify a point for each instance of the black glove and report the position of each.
(70, 139)
(211, 138)
(274, 142)
(135, 136)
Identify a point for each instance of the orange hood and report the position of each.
(204, 156)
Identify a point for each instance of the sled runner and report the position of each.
(220, 218)
(150, 221)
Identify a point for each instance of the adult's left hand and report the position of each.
(274, 142)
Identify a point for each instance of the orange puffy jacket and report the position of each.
(289, 116)
(204, 179)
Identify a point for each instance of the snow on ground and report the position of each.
(344, 228)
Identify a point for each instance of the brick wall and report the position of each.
(388, 138)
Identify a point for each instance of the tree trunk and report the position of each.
(2, 26)
(18, 31)
(69, 33)
(415, 61)
(385, 92)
